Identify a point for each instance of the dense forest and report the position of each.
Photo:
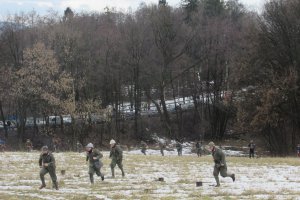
(236, 69)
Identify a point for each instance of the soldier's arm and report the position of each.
(52, 163)
(40, 160)
(110, 154)
(222, 159)
(120, 153)
(87, 157)
(98, 155)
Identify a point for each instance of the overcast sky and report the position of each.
(42, 6)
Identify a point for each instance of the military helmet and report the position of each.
(211, 144)
(112, 142)
(45, 148)
(89, 145)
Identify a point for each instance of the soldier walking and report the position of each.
(144, 147)
(179, 148)
(47, 165)
(28, 145)
(95, 164)
(199, 148)
(79, 147)
(116, 155)
(220, 164)
(162, 147)
(251, 146)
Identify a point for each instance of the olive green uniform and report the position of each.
(48, 159)
(198, 148)
(116, 155)
(94, 164)
(220, 165)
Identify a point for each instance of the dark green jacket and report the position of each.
(95, 153)
(94, 162)
(219, 157)
(179, 146)
(47, 158)
(116, 153)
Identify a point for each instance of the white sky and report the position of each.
(42, 6)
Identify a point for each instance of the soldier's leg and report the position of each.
(120, 165)
(98, 172)
(144, 151)
(43, 171)
(216, 175)
(53, 176)
(91, 174)
(223, 172)
(112, 166)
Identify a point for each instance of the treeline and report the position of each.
(239, 67)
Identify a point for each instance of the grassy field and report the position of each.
(262, 178)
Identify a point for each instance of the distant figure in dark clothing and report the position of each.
(144, 147)
(162, 147)
(28, 145)
(298, 150)
(251, 149)
(199, 148)
(179, 148)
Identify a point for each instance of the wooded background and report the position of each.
(239, 69)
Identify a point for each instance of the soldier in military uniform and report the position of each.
(79, 147)
(94, 156)
(179, 148)
(220, 163)
(116, 155)
(198, 148)
(251, 149)
(47, 165)
(144, 147)
(28, 145)
(162, 146)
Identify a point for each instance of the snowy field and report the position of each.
(262, 178)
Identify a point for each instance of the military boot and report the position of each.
(42, 186)
(55, 185)
(233, 177)
(217, 181)
(92, 178)
(43, 183)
